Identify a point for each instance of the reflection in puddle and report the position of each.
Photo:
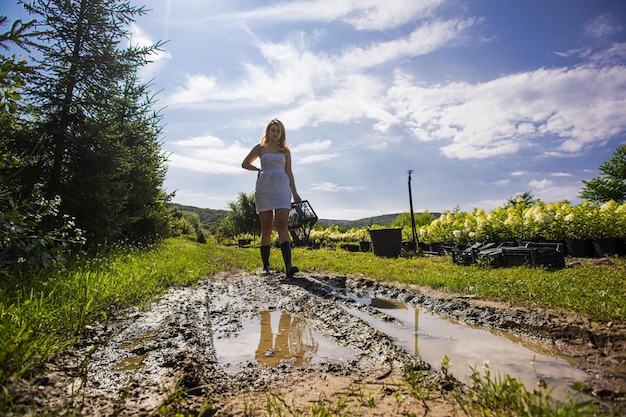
(431, 337)
(277, 336)
(293, 339)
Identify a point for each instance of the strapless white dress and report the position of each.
(272, 185)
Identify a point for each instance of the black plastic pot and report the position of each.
(578, 248)
(605, 247)
(386, 242)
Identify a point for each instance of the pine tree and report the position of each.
(611, 185)
(100, 149)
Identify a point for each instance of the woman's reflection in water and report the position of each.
(294, 339)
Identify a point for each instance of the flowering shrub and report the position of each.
(332, 235)
(537, 221)
(554, 221)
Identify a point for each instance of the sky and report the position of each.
(482, 99)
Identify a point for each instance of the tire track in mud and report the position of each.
(132, 364)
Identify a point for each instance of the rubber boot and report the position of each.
(285, 248)
(265, 256)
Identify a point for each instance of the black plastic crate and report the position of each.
(302, 218)
(533, 256)
(512, 254)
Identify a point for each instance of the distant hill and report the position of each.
(384, 220)
(208, 217)
(213, 218)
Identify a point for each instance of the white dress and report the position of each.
(272, 185)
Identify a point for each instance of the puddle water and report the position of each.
(277, 336)
(431, 337)
(135, 347)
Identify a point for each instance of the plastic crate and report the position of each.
(508, 254)
(534, 256)
(302, 218)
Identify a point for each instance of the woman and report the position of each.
(274, 188)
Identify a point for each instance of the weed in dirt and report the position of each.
(323, 408)
(417, 383)
(421, 387)
(505, 396)
(174, 405)
(348, 404)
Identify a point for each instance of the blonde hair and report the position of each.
(282, 140)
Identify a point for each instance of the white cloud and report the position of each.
(574, 53)
(206, 154)
(423, 40)
(602, 26)
(362, 14)
(354, 98)
(372, 90)
(197, 88)
(199, 142)
(386, 14)
(614, 55)
(332, 187)
(566, 110)
(192, 197)
(540, 184)
(325, 87)
(557, 193)
(197, 163)
(314, 146)
(315, 158)
(158, 59)
(569, 109)
(313, 152)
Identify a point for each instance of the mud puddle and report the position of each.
(233, 334)
(429, 337)
(277, 336)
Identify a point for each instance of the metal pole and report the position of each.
(412, 214)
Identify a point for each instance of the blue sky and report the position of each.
(483, 100)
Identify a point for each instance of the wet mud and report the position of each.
(221, 346)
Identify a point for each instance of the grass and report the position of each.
(40, 315)
(504, 396)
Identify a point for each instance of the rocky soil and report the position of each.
(163, 359)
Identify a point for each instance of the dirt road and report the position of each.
(178, 356)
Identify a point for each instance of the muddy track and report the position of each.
(133, 364)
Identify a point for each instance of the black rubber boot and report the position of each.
(285, 248)
(265, 256)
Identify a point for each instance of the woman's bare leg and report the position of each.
(267, 220)
(282, 225)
